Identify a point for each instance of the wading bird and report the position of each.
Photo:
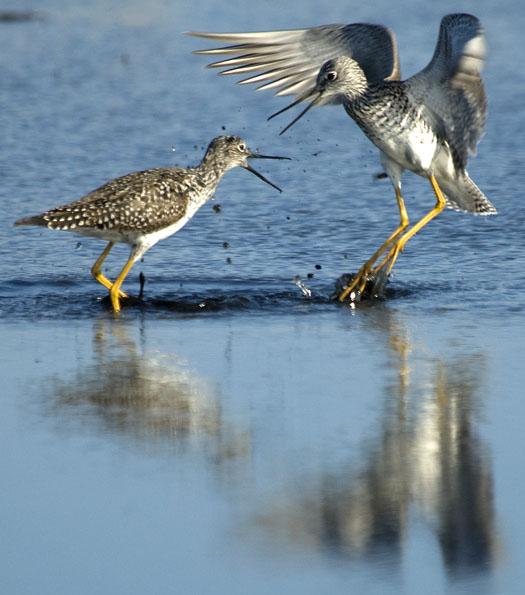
(142, 208)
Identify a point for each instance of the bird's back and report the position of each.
(138, 202)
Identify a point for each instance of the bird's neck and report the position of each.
(211, 169)
(358, 89)
(373, 98)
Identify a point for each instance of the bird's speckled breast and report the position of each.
(390, 120)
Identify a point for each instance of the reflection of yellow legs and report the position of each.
(114, 292)
(397, 248)
(360, 280)
(97, 273)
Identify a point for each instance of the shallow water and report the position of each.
(226, 434)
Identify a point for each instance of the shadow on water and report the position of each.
(155, 403)
(425, 462)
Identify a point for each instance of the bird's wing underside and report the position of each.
(288, 61)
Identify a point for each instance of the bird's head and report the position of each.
(232, 151)
(338, 79)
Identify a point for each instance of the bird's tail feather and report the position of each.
(34, 220)
(463, 195)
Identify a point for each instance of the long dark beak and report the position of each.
(300, 99)
(259, 175)
(314, 102)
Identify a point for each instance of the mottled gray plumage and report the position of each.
(143, 202)
(145, 207)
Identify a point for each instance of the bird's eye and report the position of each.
(242, 147)
(331, 76)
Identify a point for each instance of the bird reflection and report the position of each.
(152, 401)
(426, 461)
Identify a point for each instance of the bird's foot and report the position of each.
(366, 284)
(355, 286)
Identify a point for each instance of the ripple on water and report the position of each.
(23, 299)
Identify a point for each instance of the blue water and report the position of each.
(225, 434)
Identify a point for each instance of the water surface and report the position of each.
(226, 434)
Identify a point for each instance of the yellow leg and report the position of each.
(97, 273)
(361, 278)
(114, 292)
(400, 244)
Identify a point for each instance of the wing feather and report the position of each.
(289, 60)
(451, 87)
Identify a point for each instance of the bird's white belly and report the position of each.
(135, 238)
(413, 149)
(152, 238)
(156, 236)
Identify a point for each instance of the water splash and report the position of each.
(305, 290)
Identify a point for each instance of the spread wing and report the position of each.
(289, 61)
(450, 87)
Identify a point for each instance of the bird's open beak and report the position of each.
(259, 175)
(317, 95)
